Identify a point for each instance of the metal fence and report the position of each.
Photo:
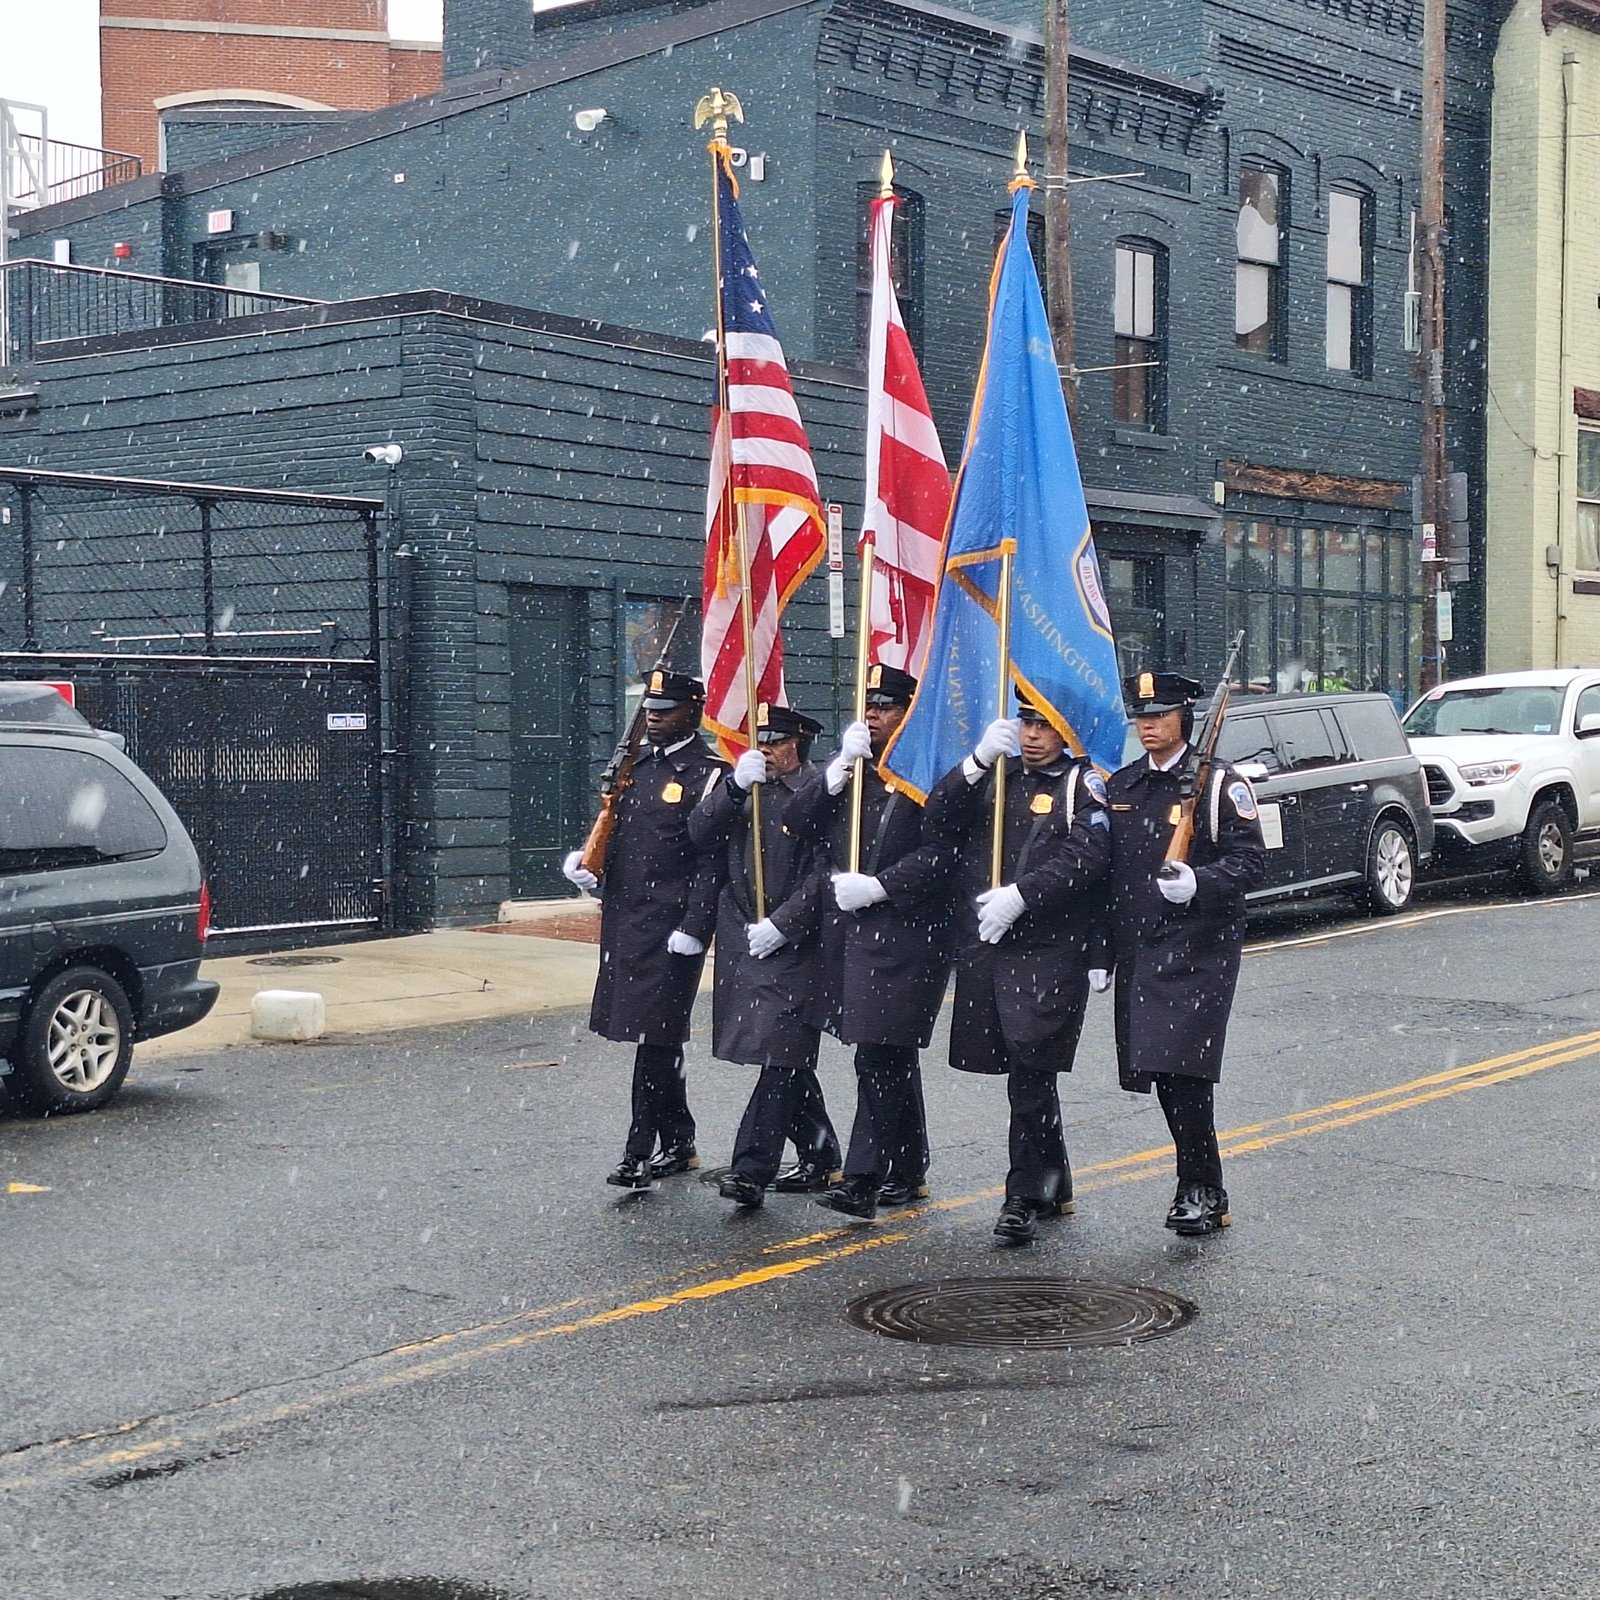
(91, 563)
(42, 302)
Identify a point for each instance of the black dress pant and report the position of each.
(660, 1101)
(786, 1103)
(889, 1137)
(1039, 1169)
(1189, 1104)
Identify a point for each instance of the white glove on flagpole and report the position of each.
(855, 891)
(1003, 737)
(763, 938)
(680, 943)
(750, 769)
(574, 871)
(1176, 882)
(997, 910)
(854, 745)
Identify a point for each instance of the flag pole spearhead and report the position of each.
(716, 107)
(886, 177)
(1019, 177)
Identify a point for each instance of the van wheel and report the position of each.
(1391, 867)
(75, 1045)
(1547, 848)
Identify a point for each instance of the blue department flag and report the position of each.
(1018, 480)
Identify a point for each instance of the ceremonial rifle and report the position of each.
(619, 769)
(1195, 778)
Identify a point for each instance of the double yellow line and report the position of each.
(170, 1438)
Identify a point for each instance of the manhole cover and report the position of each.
(1026, 1313)
(295, 961)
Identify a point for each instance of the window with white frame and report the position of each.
(1586, 558)
(1138, 387)
(1349, 338)
(1258, 271)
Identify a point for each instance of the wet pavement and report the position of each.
(359, 1320)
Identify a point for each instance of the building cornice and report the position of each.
(1584, 14)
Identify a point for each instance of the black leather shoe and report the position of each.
(902, 1192)
(633, 1173)
(742, 1190)
(1197, 1208)
(1018, 1222)
(675, 1158)
(855, 1197)
(807, 1177)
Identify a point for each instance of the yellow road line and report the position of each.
(54, 1461)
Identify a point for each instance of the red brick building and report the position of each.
(319, 55)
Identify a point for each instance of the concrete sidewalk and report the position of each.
(409, 982)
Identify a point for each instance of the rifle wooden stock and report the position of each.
(598, 845)
(1198, 778)
(1182, 835)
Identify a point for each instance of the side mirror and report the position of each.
(1255, 771)
(1589, 725)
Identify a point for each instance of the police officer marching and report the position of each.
(1023, 946)
(886, 952)
(766, 965)
(1175, 932)
(657, 911)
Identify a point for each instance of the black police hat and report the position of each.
(1027, 711)
(663, 690)
(889, 686)
(777, 723)
(1148, 693)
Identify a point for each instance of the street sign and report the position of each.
(835, 570)
(1446, 615)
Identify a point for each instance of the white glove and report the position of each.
(680, 943)
(1002, 737)
(763, 938)
(997, 910)
(1176, 882)
(574, 871)
(750, 769)
(856, 744)
(1099, 979)
(855, 891)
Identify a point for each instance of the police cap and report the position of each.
(1149, 693)
(1027, 711)
(889, 686)
(774, 724)
(663, 690)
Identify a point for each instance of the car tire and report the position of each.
(1547, 848)
(1391, 867)
(75, 1045)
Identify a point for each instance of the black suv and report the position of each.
(1344, 804)
(102, 909)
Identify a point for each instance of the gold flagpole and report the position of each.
(858, 778)
(1008, 550)
(716, 107)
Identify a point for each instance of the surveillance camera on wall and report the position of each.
(384, 455)
(588, 121)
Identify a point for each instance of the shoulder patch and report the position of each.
(1096, 785)
(1244, 799)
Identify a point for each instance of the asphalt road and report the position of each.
(288, 1318)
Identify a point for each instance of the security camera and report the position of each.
(384, 455)
(588, 121)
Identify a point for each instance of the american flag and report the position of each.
(761, 465)
(907, 483)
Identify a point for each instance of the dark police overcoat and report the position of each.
(760, 1009)
(1021, 1002)
(1176, 966)
(656, 880)
(884, 969)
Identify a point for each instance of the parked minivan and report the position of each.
(1344, 805)
(102, 909)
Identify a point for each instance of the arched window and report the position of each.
(1258, 300)
(1349, 338)
(1139, 310)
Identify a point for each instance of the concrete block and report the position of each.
(288, 1014)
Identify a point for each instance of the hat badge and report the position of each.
(655, 682)
(1147, 686)
(761, 714)
(875, 677)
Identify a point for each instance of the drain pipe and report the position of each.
(1566, 432)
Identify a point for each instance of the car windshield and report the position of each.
(1533, 708)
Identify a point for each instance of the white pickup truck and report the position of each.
(1513, 768)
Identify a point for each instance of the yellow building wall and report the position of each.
(1545, 155)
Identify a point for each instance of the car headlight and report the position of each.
(1490, 772)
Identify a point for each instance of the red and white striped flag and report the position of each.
(761, 469)
(907, 483)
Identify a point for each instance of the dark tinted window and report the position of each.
(1372, 730)
(1248, 739)
(1305, 739)
(62, 808)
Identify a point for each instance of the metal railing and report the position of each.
(70, 170)
(43, 302)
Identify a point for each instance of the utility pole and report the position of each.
(1057, 198)
(1435, 469)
